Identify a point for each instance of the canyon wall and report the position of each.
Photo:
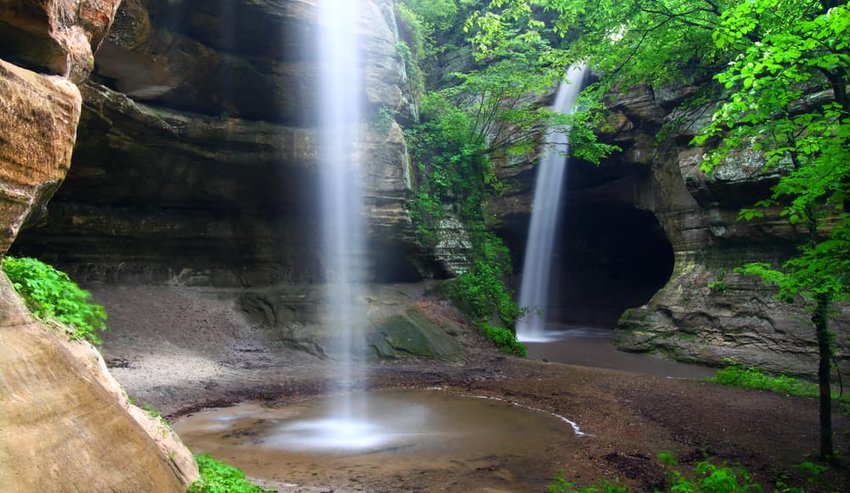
(196, 156)
(706, 312)
(65, 424)
(662, 215)
(195, 164)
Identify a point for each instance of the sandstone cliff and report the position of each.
(650, 239)
(196, 155)
(65, 424)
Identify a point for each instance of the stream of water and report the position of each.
(342, 222)
(534, 289)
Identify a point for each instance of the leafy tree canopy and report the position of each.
(780, 71)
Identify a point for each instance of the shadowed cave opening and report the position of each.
(609, 254)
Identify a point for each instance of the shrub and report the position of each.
(218, 477)
(710, 478)
(561, 485)
(51, 295)
(503, 338)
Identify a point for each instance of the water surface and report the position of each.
(586, 346)
(408, 441)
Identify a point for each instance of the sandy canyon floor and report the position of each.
(181, 350)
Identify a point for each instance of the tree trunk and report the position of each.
(820, 319)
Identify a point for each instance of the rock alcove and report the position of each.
(610, 254)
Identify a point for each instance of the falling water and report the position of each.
(534, 289)
(341, 203)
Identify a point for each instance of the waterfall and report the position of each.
(534, 290)
(342, 223)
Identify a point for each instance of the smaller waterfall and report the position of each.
(534, 290)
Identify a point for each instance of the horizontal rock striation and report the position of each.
(196, 157)
(704, 313)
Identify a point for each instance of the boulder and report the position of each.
(399, 324)
(38, 115)
(66, 425)
(53, 36)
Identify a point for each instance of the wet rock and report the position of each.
(412, 334)
(158, 195)
(201, 168)
(454, 247)
(397, 328)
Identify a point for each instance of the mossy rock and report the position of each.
(413, 335)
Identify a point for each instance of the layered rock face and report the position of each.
(706, 313)
(65, 424)
(648, 214)
(53, 36)
(196, 156)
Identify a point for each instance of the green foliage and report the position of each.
(705, 477)
(438, 14)
(454, 176)
(218, 477)
(815, 476)
(385, 118)
(751, 378)
(710, 478)
(415, 77)
(503, 338)
(155, 413)
(561, 485)
(782, 70)
(718, 286)
(666, 457)
(52, 295)
(487, 112)
(481, 292)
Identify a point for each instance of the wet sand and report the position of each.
(586, 346)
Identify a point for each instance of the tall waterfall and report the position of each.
(342, 223)
(534, 290)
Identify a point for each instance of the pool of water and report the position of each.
(400, 441)
(586, 346)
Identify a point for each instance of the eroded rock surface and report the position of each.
(38, 117)
(250, 59)
(65, 423)
(704, 313)
(196, 159)
(54, 36)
